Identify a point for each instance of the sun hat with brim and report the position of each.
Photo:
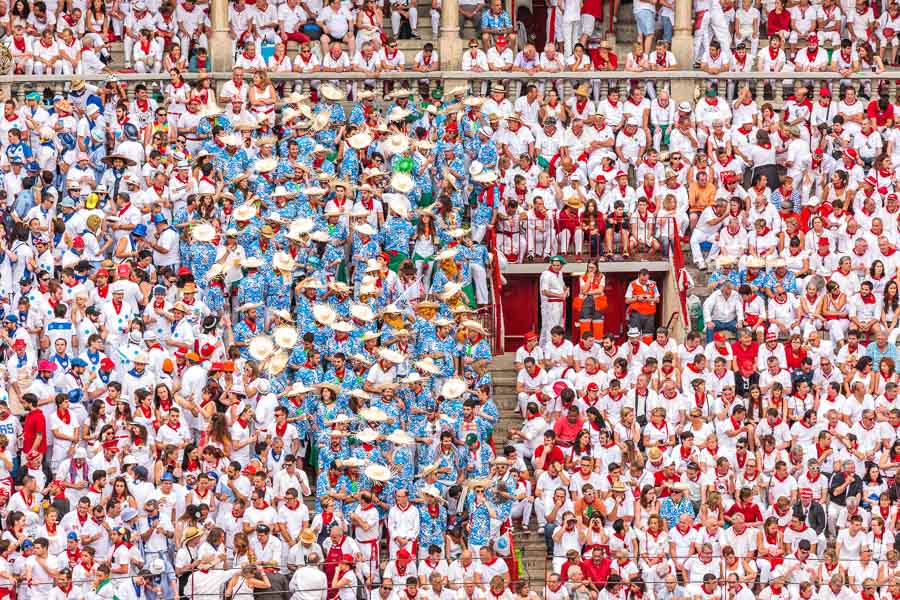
(756, 262)
(373, 415)
(378, 473)
(283, 262)
(265, 165)
(397, 113)
(191, 533)
(360, 140)
(403, 182)
(343, 327)
(400, 438)
(474, 325)
(244, 212)
(338, 287)
(442, 322)
(485, 177)
(391, 355)
(203, 233)
(330, 385)
(412, 378)
(320, 122)
(232, 139)
(261, 347)
(396, 144)
(285, 337)
(248, 306)
(399, 206)
(277, 363)
(446, 254)
(360, 394)
(451, 289)
(428, 470)
(367, 435)
(430, 490)
(362, 312)
(454, 388)
(475, 168)
(251, 262)
(320, 236)
(427, 365)
(311, 283)
(296, 389)
(308, 536)
(108, 160)
(324, 314)
(366, 229)
(330, 92)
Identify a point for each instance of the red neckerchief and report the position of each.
(280, 429)
(868, 300)
(65, 417)
(177, 425)
(243, 423)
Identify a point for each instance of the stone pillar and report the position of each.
(450, 45)
(220, 44)
(683, 48)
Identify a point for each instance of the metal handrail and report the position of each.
(466, 76)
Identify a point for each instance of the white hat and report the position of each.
(324, 314)
(391, 355)
(402, 182)
(377, 472)
(203, 232)
(261, 347)
(454, 388)
(285, 337)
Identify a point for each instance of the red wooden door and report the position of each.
(520, 309)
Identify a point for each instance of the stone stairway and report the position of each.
(529, 544)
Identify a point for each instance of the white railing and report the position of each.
(781, 83)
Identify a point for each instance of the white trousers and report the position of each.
(565, 239)
(413, 20)
(551, 316)
(479, 278)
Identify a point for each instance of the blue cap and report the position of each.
(72, 536)
(79, 362)
(140, 230)
(160, 218)
(33, 166)
(12, 319)
(213, 475)
(159, 290)
(131, 131)
(167, 477)
(74, 396)
(27, 544)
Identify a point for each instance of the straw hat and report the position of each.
(203, 233)
(343, 326)
(366, 229)
(485, 177)
(367, 435)
(453, 388)
(378, 473)
(265, 165)
(324, 314)
(391, 355)
(373, 415)
(362, 312)
(446, 254)
(474, 325)
(277, 362)
(396, 144)
(281, 191)
(399, 206)
(397, 113)
(191, 533)
(244, 212)
(283, 262)
(308, 536)
(428, 470)
(251, 262)
(245, 306)
(427, 365)
(360, 140)
(400, 438)
(261, 347)
(232, 139)
(330, 385)
(320, 122)
(285, 337)
(296, 389)
(330, 92)
(451, 289)
(402, 182)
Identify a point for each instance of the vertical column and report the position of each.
(220, 45)
(683, 48)
(450, 45)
